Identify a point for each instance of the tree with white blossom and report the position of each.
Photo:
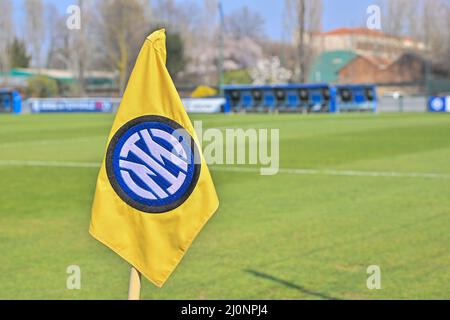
(270, 71)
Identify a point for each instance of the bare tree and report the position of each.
(432, 20)
(82, 41)
(447, 27)
(209, 15)
(182, 17)
(35, 28)
(166, 10)
(245, 23)
(301, 40)
(54, 26)
(201, 47)
(396, 16)
(420, 19)
(7, 33)
(303, 18)
(195, 23)
(123, 26)
(61, 44)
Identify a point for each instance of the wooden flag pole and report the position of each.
(134, 292)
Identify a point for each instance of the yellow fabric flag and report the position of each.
(154, 192)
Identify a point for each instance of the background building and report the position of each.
(96, 82)
(365, 42)
(367, 56)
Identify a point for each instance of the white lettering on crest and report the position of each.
(151, 167)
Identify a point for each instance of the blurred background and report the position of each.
(406, 53)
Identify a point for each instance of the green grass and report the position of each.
(279, 237)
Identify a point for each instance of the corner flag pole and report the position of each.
(134, 292)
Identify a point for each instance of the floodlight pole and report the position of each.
(221, 48)
(134, 292)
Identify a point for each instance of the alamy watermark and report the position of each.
(237, 146)
(73, 281)
(374, 280)
(73, 21)
(374, 17)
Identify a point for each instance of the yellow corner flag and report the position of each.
(154, 192)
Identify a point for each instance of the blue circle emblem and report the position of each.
(152, 164)
(437, 104)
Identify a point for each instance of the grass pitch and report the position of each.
(289, 236)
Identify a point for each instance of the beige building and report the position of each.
(364, 42)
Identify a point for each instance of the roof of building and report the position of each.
(384, 63)
(379, 62)
(20, 75)
(343, 31)
(361, 31)
(61, 73)
(327, 65)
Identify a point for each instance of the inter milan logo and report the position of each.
(152, 164)
(437, 104)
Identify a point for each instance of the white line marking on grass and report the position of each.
(49, 164)
(345, 173)
(47, 142)
(324, 172)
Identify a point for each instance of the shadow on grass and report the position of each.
(291, 285)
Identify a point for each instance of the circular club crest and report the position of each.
(437, 104)
(153, 164)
